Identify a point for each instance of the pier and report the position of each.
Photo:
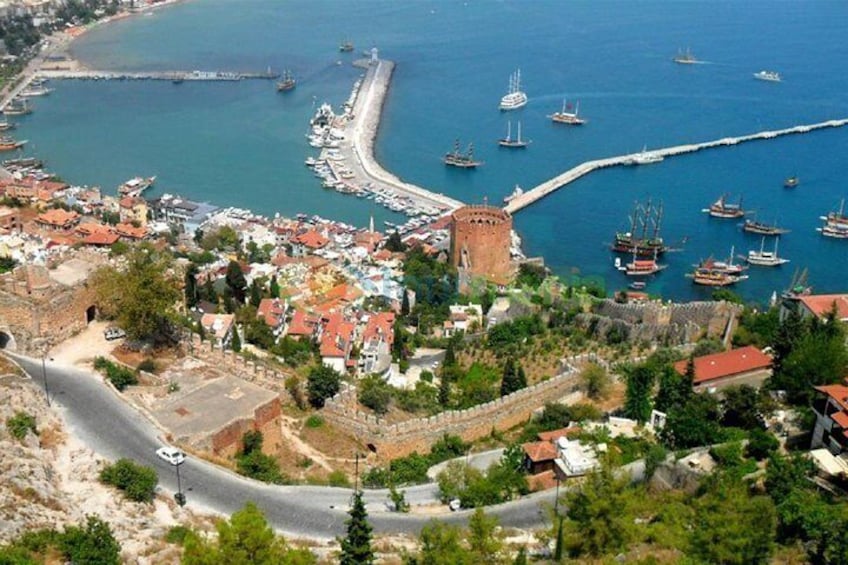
(571, 175)
(360, 132)
(156, 75)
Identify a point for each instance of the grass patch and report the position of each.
(314, 422)
(20, 425)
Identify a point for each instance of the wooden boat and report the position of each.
(723, 209)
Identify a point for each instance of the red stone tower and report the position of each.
(480, 242)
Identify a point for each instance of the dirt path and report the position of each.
(290, 428)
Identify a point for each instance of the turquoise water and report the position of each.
(243, 144)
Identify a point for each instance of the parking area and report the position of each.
(85, 346)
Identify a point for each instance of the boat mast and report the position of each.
(519, 132)
(657, 221)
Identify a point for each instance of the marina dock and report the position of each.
(157, 75)
(360, 132)
(571, 175)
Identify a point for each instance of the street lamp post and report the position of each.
(179, 497)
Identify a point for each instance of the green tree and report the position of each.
(252, 462)
(693, 424)
(733, 527)
(640, 382)
(356, 546)
(255, 293)
(441, 543)
(246, 539)
(93, 543)
(444, 390)
(190, 285)
(236, 283)
(274, 287)
(674, 388)
(235, 342)
(486, 545)
(375, 394)
(404, 304)
(598, 521)
(741, 407)
(513, 377)
(322, 383)
(596, 381)
(142, 296)
(394, 243)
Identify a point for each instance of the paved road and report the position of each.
(94, 413)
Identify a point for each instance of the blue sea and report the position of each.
(243, 144)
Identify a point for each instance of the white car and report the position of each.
(454, 505)
(113, 333)
(171, 454)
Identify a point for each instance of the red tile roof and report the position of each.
(380, 326)
(726, 364)
(130, 231)
(58, 218)
(820, 304)
(538, 451)
(542, 481)
(839, 393)
(272, 311)
(101, 238)
(302, 324)
(554, 435)
(337, 339)
(312, 239)
(841, 418)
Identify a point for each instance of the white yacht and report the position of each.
(515, 98)
(770, 76)
(765, 258)
(518, 191)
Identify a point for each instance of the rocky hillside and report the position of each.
(49, 480)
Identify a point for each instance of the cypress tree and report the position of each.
(404, 305)
(191, 294)
(235, 344)
(275, 287)
(513, 377)
(444, 390)
(356, 546)
(255, 294)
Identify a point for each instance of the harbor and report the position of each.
(157, 75)
(346, 161)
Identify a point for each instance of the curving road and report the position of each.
(97, 415)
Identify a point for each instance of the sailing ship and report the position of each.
(644, 218)
(566, 117)
(9, 144)
(346, 47)
(685, 58)
(837, 218)
(726, 267)
(457, 158)
(287, 82)
(835, 231)
(711, 277)
(765, 258)
(791, 182)
(516, 143)
(723, 209)
(770, 76)
(644, 157)
(514, 98)
(17, 107)
(761, 228)
(135, 186)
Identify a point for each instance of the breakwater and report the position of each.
(571, 175)
(157, 75)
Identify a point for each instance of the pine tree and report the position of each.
(444, 390)
(255, 294)
(191, 294)
(235, 344)
(274, 287)
(404, 305)
(236, 282)
(513, 377)
(356, 546)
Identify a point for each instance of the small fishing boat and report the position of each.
(6, 126)
(723, 209)
(769, 76)
(791, 182)
(638, 285)
(685, 58)
(346, 46)
(644, 157)
(763, 258)
(516, 143)
(9, 144)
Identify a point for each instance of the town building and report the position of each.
(820, 305)
(180, 212)
(377, 339)
(337, 343)
(746, 365)
(219, 328)
(831, 409)
(10, 220)
(58, 219)
(133, 210)
(273, 312)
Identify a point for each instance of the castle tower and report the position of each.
(480, 242)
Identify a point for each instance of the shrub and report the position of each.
(177, 534)
(119, 376)
(323, 382)
(251, 462)
(148, 366)
(20, 425)
(426, 376)
(338, 479)
(315, 421)
(761, 444)
(375, 394)
(137, 482)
